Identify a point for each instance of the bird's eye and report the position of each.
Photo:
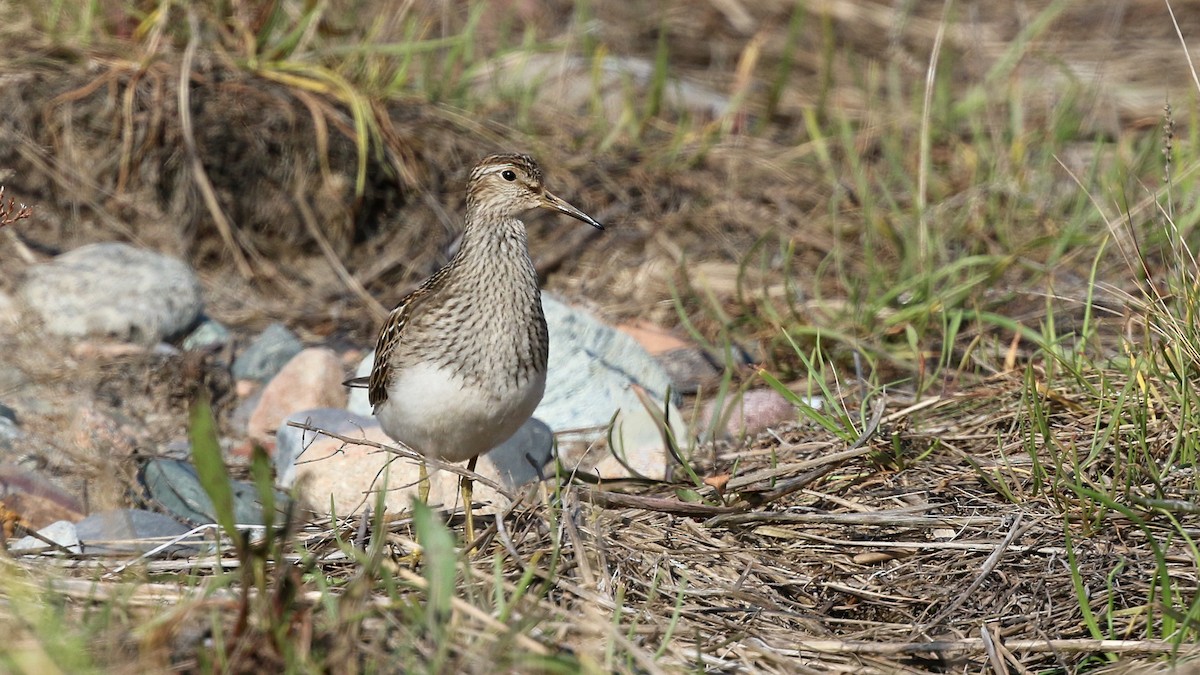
(509, 175)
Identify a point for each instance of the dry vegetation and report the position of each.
(953, 221)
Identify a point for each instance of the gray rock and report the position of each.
(114, 289)
(689, 369)
(239, 418)
(128, 531)
(267, 355)
(61, 532)
(592, 374)
(11, 438)
(521, 458)
(175, 486)
(209, 333)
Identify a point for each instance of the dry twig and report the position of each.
(10, 212)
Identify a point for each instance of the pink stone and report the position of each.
(652, 338)
(99, 434)
(755, 411)
(246, 388)
(312, 379)
(350, 476)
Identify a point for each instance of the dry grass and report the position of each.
(899, 555)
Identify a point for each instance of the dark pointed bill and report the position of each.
(551, 202)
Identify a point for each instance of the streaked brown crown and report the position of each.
(490, 192)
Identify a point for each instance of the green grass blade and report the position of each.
(440, 560)
(210, 465)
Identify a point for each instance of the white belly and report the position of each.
(434, 412)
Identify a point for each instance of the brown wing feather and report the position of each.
(393, 332)
(389, 337)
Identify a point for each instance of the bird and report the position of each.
(460, 363)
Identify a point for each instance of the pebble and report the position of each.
(312, 379)
(100, 434)
(128, 531)
(349, 475)
(175, 487)
(690, 369)
(61, 532)
(113, 289)
(35, 499)
(754, 412)
(267, 354)
(210, 333)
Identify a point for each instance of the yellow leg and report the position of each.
(423, 483)
(466, 485)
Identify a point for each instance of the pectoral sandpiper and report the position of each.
(460, 363)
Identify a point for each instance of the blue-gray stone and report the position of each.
(521, 458)
(209, 333)
(128, 531)
(114, 289)
(175, 486)
(11, 435)
(593, 371)
(267, 355)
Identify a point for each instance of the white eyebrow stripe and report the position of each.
(497, 168)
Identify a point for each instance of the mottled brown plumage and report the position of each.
(460, 363)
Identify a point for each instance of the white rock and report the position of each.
(593, 373)
(61, 532)
(114, 289)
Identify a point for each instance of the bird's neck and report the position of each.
(493, 261)
(492, 270)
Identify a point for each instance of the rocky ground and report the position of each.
(109, 344)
